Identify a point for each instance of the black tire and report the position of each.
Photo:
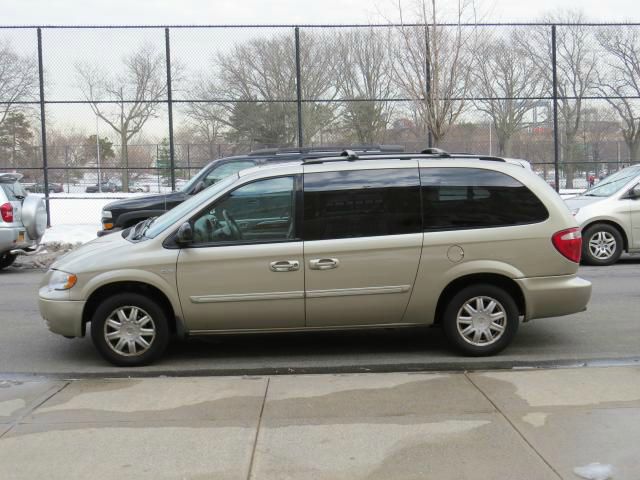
(158, 343)
(455, 306)
(589, 257)
(6, 260)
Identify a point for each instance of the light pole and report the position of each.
(98, 155)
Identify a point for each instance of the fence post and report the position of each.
(298, 86)
(43, 129)
(172, 164)
(556, 143)
(427, 73)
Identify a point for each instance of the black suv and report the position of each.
(124, 213)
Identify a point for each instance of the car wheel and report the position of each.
(6, 260)
(130, 330)
(601, 245)
(480, 320)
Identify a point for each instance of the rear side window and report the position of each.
(460, 198)
(361, 203)
(13, 191)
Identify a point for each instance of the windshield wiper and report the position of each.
(142, 227)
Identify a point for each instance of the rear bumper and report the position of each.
(63, 317)
(554, 296)
(9, 239)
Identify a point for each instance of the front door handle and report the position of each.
(323, 263)
(284, 266)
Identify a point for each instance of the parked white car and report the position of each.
(609, 214)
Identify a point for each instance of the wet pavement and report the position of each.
(528, 424)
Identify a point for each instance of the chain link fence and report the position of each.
(95, 113)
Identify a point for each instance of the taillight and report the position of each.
(569, 243)
(6, 210)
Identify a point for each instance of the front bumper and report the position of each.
(554, 296)
(63, 317)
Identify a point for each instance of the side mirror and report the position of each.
(199, 187)
(184, 235)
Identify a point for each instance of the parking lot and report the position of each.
(607, 333)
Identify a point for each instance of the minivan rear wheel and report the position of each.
(130, 330)
(601, 245)
(480, 320)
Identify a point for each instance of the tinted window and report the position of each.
(475, 198)
(361, 203)
(261, 211)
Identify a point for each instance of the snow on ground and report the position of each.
(75, 218)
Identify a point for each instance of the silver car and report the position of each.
(395, 240)
(609, 214)
(23, 219)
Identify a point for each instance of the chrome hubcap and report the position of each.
(129, 331)
(481, 321)
(602, 245)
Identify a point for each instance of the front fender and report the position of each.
(163, 280)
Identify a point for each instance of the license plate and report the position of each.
(20, 237)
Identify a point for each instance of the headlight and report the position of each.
(106, 214)
(62, 280)
(575, 211)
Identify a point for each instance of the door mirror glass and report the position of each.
(185, 234)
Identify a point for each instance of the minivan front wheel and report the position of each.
(480, 320)
(601, 245)
(130, 330)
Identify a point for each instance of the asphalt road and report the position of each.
(608, 332)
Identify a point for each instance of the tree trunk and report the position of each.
(634, 150)
(504, 143)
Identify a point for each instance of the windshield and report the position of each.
(613, 183)
(172, 216)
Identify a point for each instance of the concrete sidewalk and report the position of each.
(535, 424)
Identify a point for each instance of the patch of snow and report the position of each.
(72, 234)
(594, 471)
(536, 419)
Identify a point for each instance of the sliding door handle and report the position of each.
(323, 263)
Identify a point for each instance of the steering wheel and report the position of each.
(233, 226)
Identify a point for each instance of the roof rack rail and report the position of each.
(373, 148)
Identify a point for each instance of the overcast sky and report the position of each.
(20, 12)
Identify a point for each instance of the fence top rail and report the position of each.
(328, 25)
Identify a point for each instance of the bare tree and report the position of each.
(255, 83)
(433, 65)
(365, 69)
(18, 79)
(507, 81)
(135, 93)
(576, 67)
(619, 79)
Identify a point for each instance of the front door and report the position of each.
(244, 267)
(363, 238)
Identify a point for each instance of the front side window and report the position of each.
(361, 203)
(261, 211)
(461, 198)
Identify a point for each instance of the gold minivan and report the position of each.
(475, 244)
